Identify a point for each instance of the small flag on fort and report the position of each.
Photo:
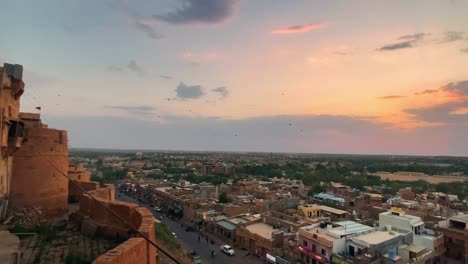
(38, 108)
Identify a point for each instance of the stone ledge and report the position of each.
(135, 249)
(131, 251)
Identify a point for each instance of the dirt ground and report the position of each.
(435, 179)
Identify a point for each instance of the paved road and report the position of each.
(189, 241)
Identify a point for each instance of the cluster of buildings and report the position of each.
(162, 164)
(277, 221)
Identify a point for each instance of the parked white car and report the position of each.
(227, 249)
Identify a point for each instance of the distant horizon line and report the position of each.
(129, 150)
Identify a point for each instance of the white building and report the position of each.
(413, 229)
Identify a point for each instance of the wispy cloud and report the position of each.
(343, 51)
(391, 97)
(464, 50)
(166, 77)
(456, 88)
(141, 110)
(144, 24)
(450, 111)
(452, 36)
(421, 39)
(200, 12)
(406, 41)
(222, 91)
(185, 92)
(427, 91)
(115, 68)
(298, 28)
(413, 37)
(441, 113)
(134, 67)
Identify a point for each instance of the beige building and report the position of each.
(320, 211)
(260, 238)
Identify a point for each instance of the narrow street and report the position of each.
(189, 240)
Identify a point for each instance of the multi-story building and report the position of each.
(320, 211)
(318, 242)
(456, 237)
(386, 243)
(261, 239)
(414, 228)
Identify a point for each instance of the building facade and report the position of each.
(11, 89)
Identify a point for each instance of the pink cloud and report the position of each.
(298, 28)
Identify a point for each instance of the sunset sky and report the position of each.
(374, 77)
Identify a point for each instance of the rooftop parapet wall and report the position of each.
(75, 193)
(77, 172)
(136, 249)
(131, 251)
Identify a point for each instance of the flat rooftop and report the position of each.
(321, 234)
(350, 227)
(261, 229)
(460, 218)
(326, 196)
(414, 220)
(332, 210)
(237, 220)
(376, 237)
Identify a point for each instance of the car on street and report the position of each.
(227, 249)
(157, 209)
(195, 258)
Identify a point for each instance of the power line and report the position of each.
(110, 210)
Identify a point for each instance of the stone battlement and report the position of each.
(95, 219)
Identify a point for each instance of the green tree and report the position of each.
(316, 189)
(223, 198)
